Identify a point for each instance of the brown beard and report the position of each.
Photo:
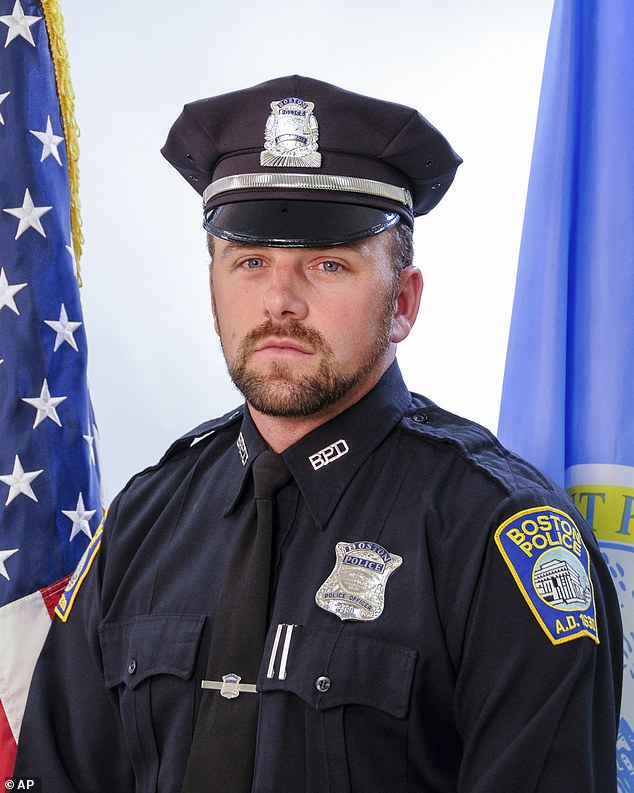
(282, 392)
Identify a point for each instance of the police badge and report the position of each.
(290, 137)
(355, 590)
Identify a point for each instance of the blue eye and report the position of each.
(252, 264)
(331, 267)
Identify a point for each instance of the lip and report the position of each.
(283, 347)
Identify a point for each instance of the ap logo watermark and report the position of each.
(32, 784)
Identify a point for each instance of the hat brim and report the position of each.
(296, 224)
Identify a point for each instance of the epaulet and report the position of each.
(202, 433)
(474, 442)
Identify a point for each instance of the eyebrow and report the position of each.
(232, 247)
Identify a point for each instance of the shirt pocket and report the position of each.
(149, 661)
(343, 682)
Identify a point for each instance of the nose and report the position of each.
(284, 298)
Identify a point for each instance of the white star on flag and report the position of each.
(80, 517)
(4, 555)
(49, 141)
(19, 482)
(19, 24)
(64, 329)
(2, 98)
(45, 405)
(8, 292)
(29, 215)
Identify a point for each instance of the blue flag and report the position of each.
(50, 502)
(568, 396)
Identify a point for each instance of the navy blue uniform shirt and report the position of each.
(456, 681)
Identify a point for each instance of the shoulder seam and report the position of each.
(497, 463)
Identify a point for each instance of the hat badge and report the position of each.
(290, 136)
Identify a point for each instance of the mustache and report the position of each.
(292, 330)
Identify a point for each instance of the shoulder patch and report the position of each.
(67, 599)
(546, 555)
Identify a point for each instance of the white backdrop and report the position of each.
(473, 68)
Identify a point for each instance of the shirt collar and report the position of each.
(324, 462)
(239, 459)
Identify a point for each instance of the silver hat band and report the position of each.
(308, 181)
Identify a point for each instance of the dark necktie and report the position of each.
(223, 748)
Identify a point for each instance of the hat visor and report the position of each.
(296, 224)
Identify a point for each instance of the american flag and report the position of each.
(50, 503)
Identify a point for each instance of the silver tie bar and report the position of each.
(230, 686)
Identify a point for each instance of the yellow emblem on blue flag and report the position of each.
(549, 561)
(76, 580)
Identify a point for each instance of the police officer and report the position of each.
(435, 615)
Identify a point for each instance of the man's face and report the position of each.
(303, 329)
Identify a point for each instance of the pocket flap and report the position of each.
(157, 644)
(327, 669)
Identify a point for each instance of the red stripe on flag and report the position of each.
(52, 593)
(7, 746)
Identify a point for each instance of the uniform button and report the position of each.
(132, 667)
(322, 684)
(420, 418)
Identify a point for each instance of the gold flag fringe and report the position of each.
(55, 28)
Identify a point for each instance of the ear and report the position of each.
(213, 301)
(407, 303)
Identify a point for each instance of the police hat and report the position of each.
(295, 162)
